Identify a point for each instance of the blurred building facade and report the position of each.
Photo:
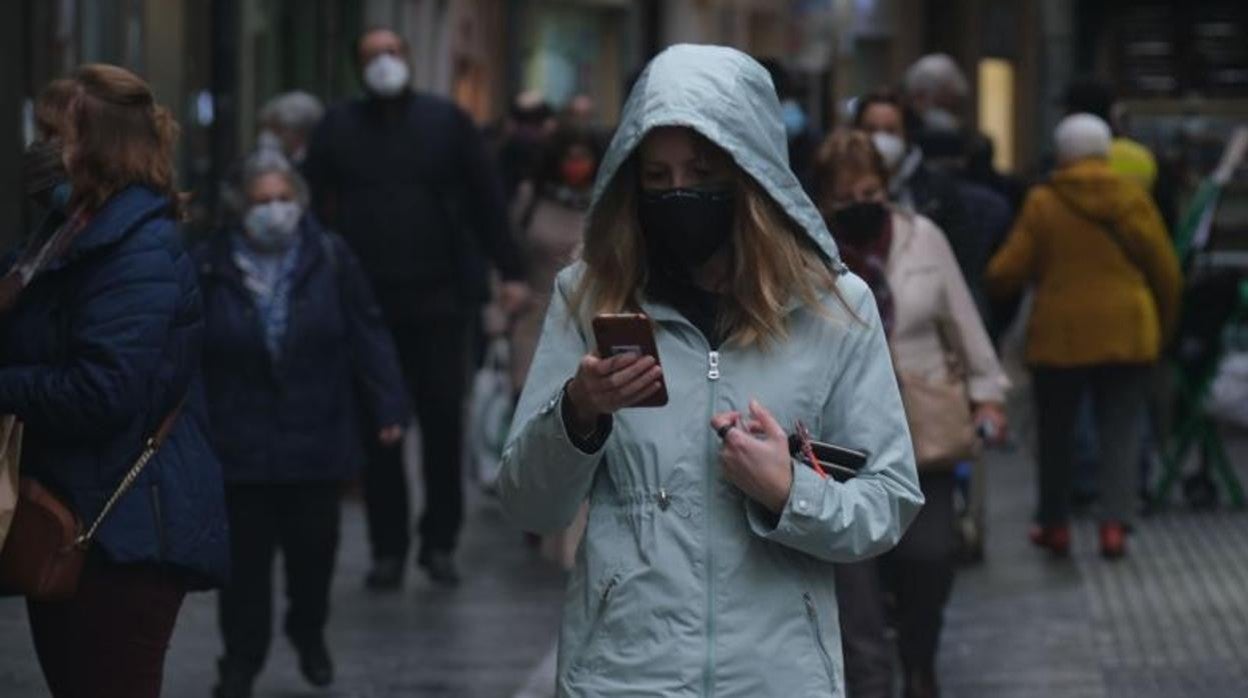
(215, 62)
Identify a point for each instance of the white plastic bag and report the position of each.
(1228, 396)
(490, 408)
(10, 460)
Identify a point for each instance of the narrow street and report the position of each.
(1171, 620)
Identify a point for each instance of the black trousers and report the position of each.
(300, 520)
(1119, 395)
(110, 639)
(919, 575)
(434, 356)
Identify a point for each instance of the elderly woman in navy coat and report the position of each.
(294, 344)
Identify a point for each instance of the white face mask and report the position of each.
(891, 148)
(273, 226)
(386, 75)
(938, 119)
(268, 140)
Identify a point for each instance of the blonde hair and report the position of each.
(773, 262)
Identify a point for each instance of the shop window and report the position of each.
(996, 109)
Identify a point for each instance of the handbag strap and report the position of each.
(150, 448)
(1105, 226)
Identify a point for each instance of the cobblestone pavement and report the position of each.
(1171, 620)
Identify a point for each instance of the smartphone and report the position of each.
(840, 462)
(629, 333)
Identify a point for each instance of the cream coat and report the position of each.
(935, 316)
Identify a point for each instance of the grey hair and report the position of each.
(268, 161)
(1081, 136)
(296, 110)
(936, 74)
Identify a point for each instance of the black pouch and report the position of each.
(837, 461)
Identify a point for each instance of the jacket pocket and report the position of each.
(580, 660)
(812, 616)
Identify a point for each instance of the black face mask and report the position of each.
(43, 170)
(859, 222)
(683, 228)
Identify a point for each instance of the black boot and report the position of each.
(921, 683)
(386, 575)
(234, 680)
(314, 662)
(440, 566)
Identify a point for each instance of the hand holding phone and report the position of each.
(621, 374)
(626, 334)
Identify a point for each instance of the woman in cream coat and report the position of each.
(931, 323)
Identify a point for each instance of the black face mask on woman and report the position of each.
(685, 227)
(859, 222)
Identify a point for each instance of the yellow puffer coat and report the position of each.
(1096, 302)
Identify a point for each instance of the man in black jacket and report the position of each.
(405, 178)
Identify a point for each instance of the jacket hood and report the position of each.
(1092, 187)
(728, 98)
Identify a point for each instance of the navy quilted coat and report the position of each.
(299, 418)
(101, 347)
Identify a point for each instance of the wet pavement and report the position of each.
(1170, 620)
(482, 639)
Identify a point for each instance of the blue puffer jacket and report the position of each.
(99, 349)
(297, 419)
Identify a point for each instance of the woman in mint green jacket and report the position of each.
(706, 568)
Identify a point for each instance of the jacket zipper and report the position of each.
(603, 599)
(813, 616)
(708, 676)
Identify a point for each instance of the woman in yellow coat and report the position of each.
(1107, 285)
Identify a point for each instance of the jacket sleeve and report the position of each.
(867, 515)
(964, 329)
(374, 359)
(485, 203)
(544, 477)
(1160, 262)
(117, 324)
(1015, 264)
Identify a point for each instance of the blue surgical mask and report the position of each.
(60, 196)
(794, 118)
(272, 226)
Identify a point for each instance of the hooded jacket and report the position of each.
(683, 586)
(1097, 300)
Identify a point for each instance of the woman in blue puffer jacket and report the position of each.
(102, 344)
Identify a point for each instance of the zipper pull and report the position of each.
(606, 591)
(713, 365)
(664, 500)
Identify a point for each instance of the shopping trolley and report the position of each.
(1214, 321)
(1215, 312)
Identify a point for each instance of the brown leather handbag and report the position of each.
(46, 547)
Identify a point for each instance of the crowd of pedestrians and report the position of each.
(802, 290)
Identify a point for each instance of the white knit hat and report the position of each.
(1080, 136)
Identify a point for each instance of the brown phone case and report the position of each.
(622, 333)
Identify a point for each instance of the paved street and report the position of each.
(1170, 620)
(481, 640)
